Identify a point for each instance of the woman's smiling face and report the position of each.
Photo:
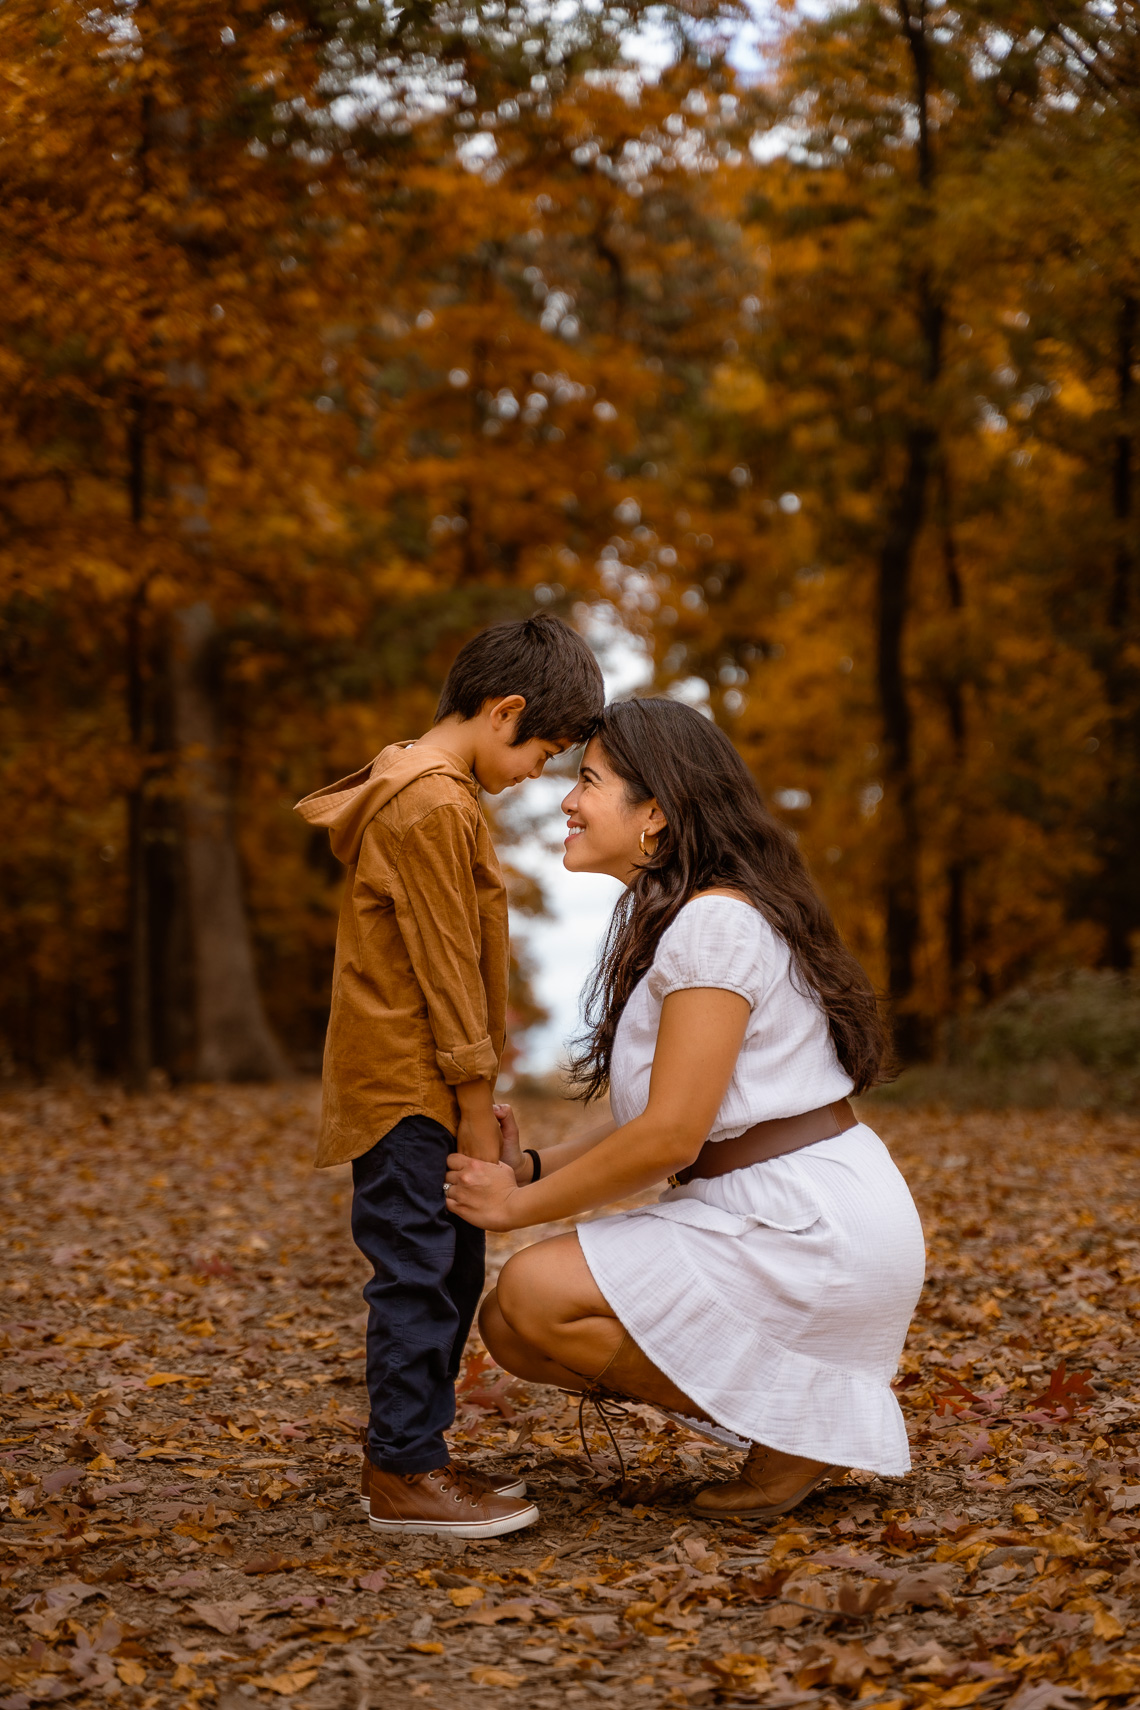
(603, 829)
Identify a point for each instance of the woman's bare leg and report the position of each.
(517, 1356)
(549, 1314)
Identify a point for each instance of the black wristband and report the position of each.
(536, 1162)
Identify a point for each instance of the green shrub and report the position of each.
(1071, 1040)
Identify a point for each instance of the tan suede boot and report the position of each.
(630, 1375)
(770, 1483)
(505, 1484)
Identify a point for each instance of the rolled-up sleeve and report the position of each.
(433, 891)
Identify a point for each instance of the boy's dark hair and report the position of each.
(541, 658)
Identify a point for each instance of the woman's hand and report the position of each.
(511, 1151)
(480, 1193)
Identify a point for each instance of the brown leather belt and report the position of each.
(773, 1139)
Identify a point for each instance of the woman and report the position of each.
(766, 1296)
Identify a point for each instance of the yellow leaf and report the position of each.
(157, 1378)
(496, 1677)
(1105, 1624)
(101, 1463)
(968, 1693)
(464, 1595)
(183, 1676)
(286, 1684)
(1024, 1513)
(784, 1545)
(131, 1673)
(1063, 1544)
(429, 1647)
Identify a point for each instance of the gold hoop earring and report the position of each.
(648, 854)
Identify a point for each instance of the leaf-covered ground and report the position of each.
(182, 1394)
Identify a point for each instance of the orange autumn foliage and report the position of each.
(328, 337)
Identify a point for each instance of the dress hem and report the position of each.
(849, 1396)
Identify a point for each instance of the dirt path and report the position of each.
(182, 1393)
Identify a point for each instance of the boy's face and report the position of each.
(498, 763)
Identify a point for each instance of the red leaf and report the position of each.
(944, 1401)
(1064, 1390)
(492, 1396)
(476, 1368)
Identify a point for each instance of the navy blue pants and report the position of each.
(427, 1278)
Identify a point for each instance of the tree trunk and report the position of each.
(901, 818)
(139, 1038)
(955, 921)
(1121, 870)
(140, 1044)
(906, 515)
(233, 1038)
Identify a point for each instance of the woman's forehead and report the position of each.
(594, 759)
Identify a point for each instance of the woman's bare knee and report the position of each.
(516, 1355)
(548, 1297)
(493, 1327)
(518, 1297)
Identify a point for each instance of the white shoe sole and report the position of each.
(516, 1489)
(705, 1428)
(462, 1528)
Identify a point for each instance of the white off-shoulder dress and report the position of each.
(778, 1296)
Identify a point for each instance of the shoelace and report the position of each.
(606, 1407)
(458, 1486)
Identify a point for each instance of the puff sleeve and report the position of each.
(715, 941)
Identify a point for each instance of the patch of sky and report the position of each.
(562, 945)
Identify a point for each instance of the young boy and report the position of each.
(416, 1036)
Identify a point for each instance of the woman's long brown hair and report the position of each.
(718, 833)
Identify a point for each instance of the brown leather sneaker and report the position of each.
(770, 1483)
(443, 1501)
(502, 1485)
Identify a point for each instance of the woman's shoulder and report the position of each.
(722, 936)
(722, 893)
(716, 912)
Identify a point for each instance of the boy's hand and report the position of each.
(512, 1152)
(478, 1135)
(480, 1193)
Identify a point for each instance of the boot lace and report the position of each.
(607, 1408)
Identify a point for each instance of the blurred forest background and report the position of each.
(331, 331)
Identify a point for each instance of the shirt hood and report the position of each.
(348, 806)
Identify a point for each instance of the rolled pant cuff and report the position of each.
(405, 1468)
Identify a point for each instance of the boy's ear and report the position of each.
(504, 712)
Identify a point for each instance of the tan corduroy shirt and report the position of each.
(419, 992)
